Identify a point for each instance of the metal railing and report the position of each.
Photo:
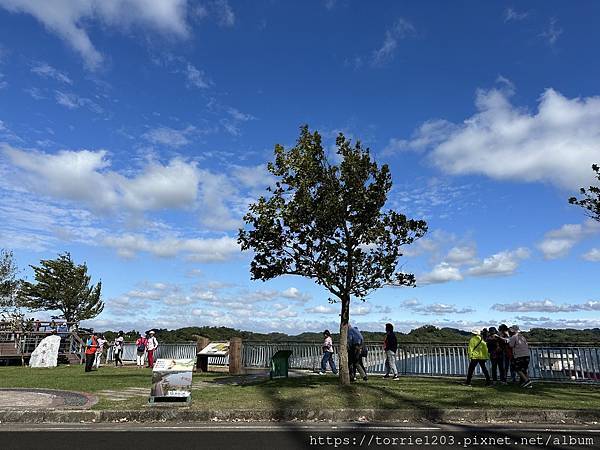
(183, 350)
(546, 361)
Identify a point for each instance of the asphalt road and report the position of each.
(301, 435)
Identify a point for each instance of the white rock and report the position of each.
(46, 353)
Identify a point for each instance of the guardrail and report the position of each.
(546, 361)
(183, 350)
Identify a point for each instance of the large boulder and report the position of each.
(46, 353)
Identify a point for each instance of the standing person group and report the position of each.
(506, 348)
(357, 353)
(146, 345)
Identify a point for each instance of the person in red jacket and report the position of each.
(90, 351)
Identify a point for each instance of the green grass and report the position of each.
(314, 392)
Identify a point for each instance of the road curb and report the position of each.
(184, 414)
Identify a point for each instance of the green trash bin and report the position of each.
(280, 364)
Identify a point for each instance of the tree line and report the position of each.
(425, 334)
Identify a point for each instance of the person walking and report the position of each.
(520, 349)
(91, 346)
(327, 354)
(477, 352)
(99, 351)
(495, 349)
(361, 361)
(140, 347)
(390, 347)
(118, 349)
(355, 344)
(151, 345)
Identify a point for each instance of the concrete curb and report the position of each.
(185, 414)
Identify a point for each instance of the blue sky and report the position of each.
(134, 133)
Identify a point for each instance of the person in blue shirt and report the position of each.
(355, 345)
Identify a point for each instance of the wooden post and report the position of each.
(235, 356)
(201, 343)
(201, 361)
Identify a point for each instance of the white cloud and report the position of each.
(29, 223)
(224, 13)
(46, 70)
(502, 263)
(464, 254)
(70, 19)
(561, 323)
(196, 78)
(546, 306)
(430, 133)
(170, 137)
(73, 101)
(360, 310)
(293, 293)
(593, 255)
(556, 144)
(253, 177)
(323, 309)
(35, 93)
(401, 29)
(329, 4)
(552, 32)
(215, 193)
(558, 243)
(200, 250)
(435, 309)
(511, 15)
(83, 176)
(441, 273)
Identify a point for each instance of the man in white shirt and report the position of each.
(151, 346)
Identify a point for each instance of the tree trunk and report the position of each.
(344, 319)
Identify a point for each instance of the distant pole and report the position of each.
(235, 356)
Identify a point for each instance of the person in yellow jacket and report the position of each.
(477, 352)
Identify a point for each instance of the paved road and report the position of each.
(247, 436)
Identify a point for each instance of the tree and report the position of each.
(9, 288)
(63, 286)
(591, 200)
(325, 222)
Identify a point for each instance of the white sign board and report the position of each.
(172, 378)
(215, 349)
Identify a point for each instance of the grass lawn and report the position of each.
(315, 392)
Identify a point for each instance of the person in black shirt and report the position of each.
(390, 346)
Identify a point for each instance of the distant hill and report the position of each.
(424, 334)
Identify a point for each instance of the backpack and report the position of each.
(141, 347)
